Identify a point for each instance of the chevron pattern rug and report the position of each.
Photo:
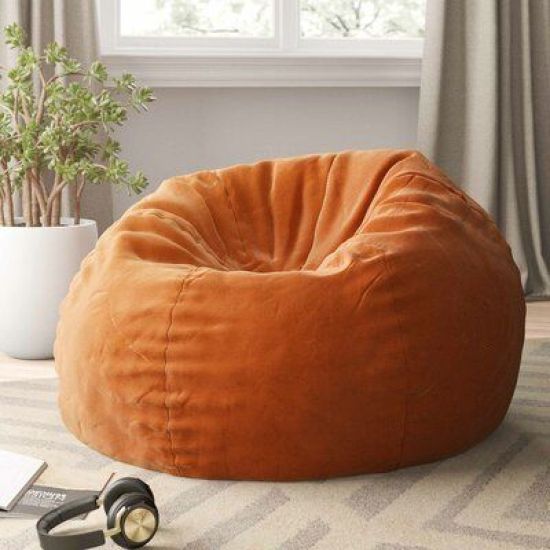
(495, 496)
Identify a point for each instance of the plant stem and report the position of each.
(58, 186)
(73, 192)
(8, 194)
(78, 198)
(56, 210)
(42, 98)
(16, 111)
(10, 213)
(39, 189)
(2, 217)
(27, 202)
(26, 114)
(35, 209)
(77, 212)
(37, 196)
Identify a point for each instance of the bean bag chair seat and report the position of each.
(299, 318)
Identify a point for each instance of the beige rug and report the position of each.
(497, 495)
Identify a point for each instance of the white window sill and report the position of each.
(268, 70)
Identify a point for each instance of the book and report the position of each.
(17, 473)
(40, 499)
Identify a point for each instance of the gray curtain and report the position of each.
(485, 116)
(72, 23)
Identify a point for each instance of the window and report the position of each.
(202, 18)
(362, 19)
(279, 42)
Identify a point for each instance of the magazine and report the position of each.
(39, 499)
(17, 473)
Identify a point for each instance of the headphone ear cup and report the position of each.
(133, 534)
(123, 486)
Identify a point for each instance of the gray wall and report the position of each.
(190, 129)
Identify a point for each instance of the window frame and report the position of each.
(284, 60)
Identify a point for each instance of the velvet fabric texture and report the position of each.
(299, 318)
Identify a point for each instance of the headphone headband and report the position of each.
(65, 512)
(132, 518)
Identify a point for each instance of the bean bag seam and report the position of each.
(226, 257)
(372, 208)
(467, 200)
(316, 228)
(128, 343)
(471, 205)
(185, 280)
(195, 234)
(230, 205)
(390, 272)
(405, 357)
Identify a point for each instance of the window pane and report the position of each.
(196, 18)
(362, 18)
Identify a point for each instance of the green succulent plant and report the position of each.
(57, 124)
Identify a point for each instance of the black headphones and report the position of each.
(132, 518)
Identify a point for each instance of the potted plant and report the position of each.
(57, 121)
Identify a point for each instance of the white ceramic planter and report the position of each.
(36, 268)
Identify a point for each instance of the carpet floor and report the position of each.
(495, 496)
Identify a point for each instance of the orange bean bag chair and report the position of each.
(299, 318)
